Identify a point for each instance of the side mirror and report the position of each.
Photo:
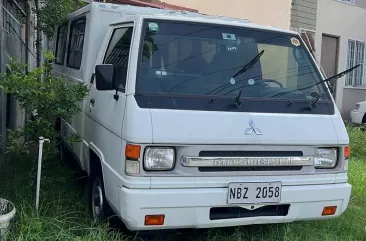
(104, 77)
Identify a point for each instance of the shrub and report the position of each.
(47, 97)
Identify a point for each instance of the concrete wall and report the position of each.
(347, 22)
(360, 3)
(275, 13)
(11, 40)
(303, 14)
(12, 43)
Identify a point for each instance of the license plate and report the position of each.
(254, 192)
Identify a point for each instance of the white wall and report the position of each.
(276, 13)
(347, 22)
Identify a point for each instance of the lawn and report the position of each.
(64, 215)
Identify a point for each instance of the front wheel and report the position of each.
(61, 151)
(98, 203)
(364, 119)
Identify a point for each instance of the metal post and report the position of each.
(27, 33)
(3, 100)
(40, 152)
(38, 35)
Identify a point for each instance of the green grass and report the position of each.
(64, 216)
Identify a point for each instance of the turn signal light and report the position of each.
(154, 220)
(347, 152)
(331, 210)
(132, 151)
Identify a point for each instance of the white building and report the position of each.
(340, 44)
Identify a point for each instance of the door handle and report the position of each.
(92, 102)
(92, 78)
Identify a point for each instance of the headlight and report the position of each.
(325, 158)
(159, 159)
(357, 106)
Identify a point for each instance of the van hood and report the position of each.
(208, 127)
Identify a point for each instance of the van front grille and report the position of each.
(254, 154)
(250, 153)
(250, 169)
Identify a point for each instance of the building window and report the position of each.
(61, 44)
(11, 23)
(76, 43)
(6, 8)
(352, 2)
(355, 56)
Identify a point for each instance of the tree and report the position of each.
(50, 14)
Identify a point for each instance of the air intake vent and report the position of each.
(238, 212)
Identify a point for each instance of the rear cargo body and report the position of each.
(198, 121)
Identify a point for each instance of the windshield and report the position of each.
(196, 59)
(203, 60)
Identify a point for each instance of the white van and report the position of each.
(197, 121)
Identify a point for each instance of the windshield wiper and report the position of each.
(332, 78)
(248, 66)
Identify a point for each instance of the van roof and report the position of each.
(149, 12)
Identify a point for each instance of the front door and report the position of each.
(329, 57)
(104, 115)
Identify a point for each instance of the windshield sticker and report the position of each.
(231, 48)
(228, 36)
(232, 81)
(251, 81)
(295, 42)
(153, 27)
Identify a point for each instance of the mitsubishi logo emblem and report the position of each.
(252, 129)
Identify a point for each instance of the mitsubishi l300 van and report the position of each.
(198, 121)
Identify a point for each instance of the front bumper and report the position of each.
(190, 208)
(357, 117)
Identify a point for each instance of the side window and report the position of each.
(118, 53)
(61, 44)
(76, 43)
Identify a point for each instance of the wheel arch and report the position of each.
(96, 159)
(363, 119)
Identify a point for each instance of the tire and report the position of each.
(98, 203)
(61, 152)
(61, 145)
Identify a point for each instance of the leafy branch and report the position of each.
(46, 96)
(54, 12)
